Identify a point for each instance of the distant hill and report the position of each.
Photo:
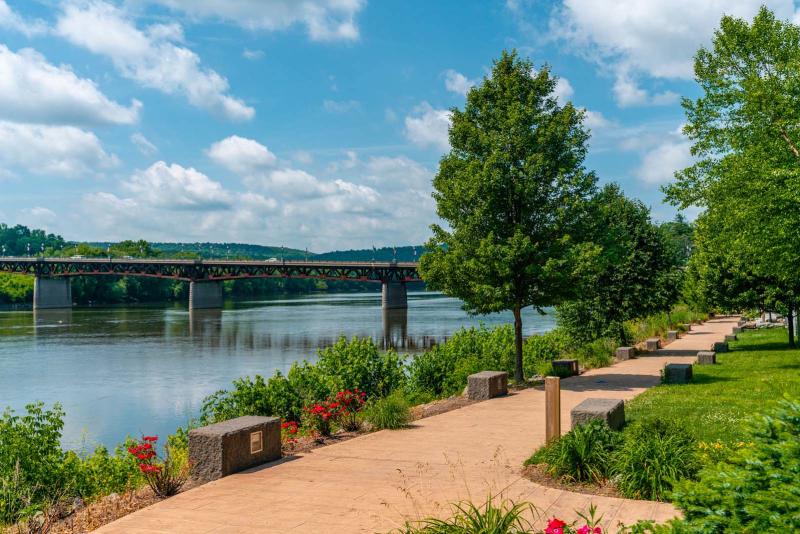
(225, 250)
(368, 254)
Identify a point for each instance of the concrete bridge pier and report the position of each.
(393, 296)
(51, 293)
(205, 295)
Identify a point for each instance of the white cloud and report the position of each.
(594, 120)
(455, 82)
(145, 147)
(660, 163)
(241, 155)
(33, 90)
(177, 187)
(303, 156)
(149, 56)
(52, 150)
(12, 21)
(657, 38)
(340, 106)
(428, 126)
(563, 90)
(325, 20)
(252, 54)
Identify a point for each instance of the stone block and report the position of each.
(225, 448)
(625, 353)
(672, 335)
(706, 357)
(730, 337)
(720, 346)
(736, 330)
(687, 327)
(487, 384)
(565, 368)
(612, 411)
(654, 343)
(678, 373)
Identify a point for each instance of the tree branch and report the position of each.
(789, 141)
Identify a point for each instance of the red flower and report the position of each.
(150, 438)
(555, 526)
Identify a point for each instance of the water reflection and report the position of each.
(127, 370)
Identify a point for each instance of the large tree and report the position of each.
(512, 191)
(636, 272)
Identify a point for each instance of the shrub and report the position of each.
(654, 454)
(505, 517)
(253, 396)
(359, 364)
(320, 417)
(757, 489)
(351, 402)
(165, 475)
(390, 412)
(582, 454)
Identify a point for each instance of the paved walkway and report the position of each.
(374, 482)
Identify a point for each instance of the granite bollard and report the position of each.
(720, 346)
(736, 330)
(624, 353)
(730, 337)
(672, 335)
(652, 344)
(612, 411)
(678, 373)
(225, 448)
(565, 368)
(487, 384)
(706, 357)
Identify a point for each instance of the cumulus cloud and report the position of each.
(241, 155)
(563, 90)
(177, 187)
(659, 164)
(428, 126)
(33, 90)
(657, 38)
(12, 21)
(324, 20)
(150, 56)
(52, 150)
(252, 55)
(455, 82)
(145, 147)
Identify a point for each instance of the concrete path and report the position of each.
(375, 482)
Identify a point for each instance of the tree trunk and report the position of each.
(519, 374)
(790, 324)
(623, 336)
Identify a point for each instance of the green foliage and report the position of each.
(511, 190)
(634, 275)
(583, 454)
(504, 517)
(15, 288)
(755, 490)
(654, 454)
(390, 412)
(35, 472)
(359, 364)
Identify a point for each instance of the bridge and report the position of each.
(52, 288)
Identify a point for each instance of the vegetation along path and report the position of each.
(375, 482)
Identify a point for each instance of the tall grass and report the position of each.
(583, 454)
(505, 517)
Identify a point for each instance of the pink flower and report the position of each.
(584, 530)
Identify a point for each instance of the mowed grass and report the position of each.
(749, 380)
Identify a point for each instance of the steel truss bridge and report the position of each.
(52, 275)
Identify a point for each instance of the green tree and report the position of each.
(512, 191)
(635, 273)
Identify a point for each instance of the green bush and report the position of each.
(654, 455)
(582, 454)
(758, 488)
(359, 364)
(505, 517)
(391, 412)
(35, 472)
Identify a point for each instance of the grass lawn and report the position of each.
(752, 378)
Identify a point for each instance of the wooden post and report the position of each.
(552, 408)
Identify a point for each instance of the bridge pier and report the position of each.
(51, 293)
(205, 295)
(394, 296)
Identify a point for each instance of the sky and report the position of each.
(312, 124)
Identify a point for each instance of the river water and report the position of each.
(121, 371)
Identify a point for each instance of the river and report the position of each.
(136, 370)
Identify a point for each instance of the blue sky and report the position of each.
(314, 123)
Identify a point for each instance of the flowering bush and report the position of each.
(351, 402)
(321, 416)
(288, 432)
(557, 526)
(165, 476)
